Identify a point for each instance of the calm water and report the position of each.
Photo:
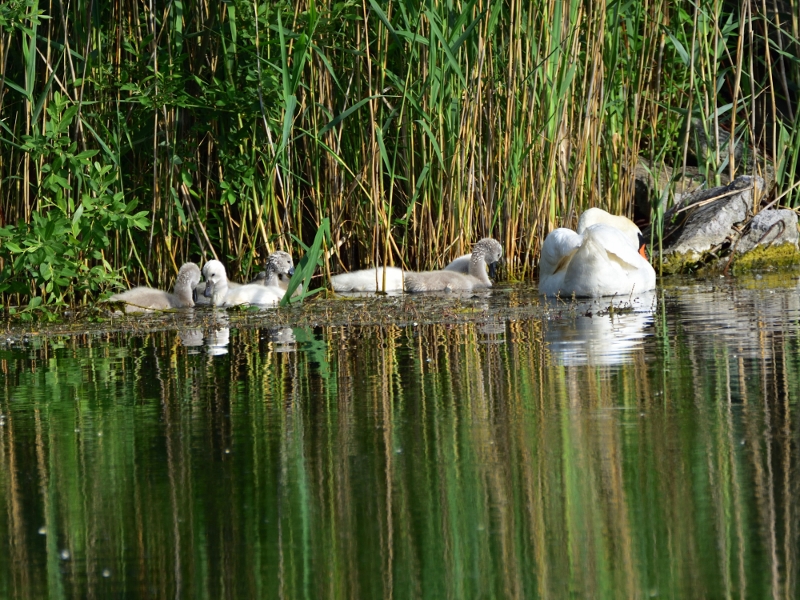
(532, 452)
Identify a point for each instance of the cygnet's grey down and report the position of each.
(279, 269)
(486, 252)
(142, 299)
(461, 265)
(464, 273)
(217, 288)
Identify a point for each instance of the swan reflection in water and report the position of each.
(282, 338)
(591, 333)
(215, 337)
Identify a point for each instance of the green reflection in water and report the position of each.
(441, 461)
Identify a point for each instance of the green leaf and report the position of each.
(434, 142)
(76, 220)
(17, 88)
(46, 271)
(679, 48)
(86, 154)
(342, 116)
(446, 47)
(307, 265)
(384, 19)
(232, 20)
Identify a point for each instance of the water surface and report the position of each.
(515, 449)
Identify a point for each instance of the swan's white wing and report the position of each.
(607, 264)
(558, 249)
(255, 294)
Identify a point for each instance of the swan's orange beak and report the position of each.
(643, 251)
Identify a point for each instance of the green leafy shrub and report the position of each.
(58, 257)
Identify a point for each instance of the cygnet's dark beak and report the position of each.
(493, 270)
(291, 271)
(209, 289)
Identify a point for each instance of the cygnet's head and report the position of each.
(490, 248)
(214, 273)
(489, 251)
(280, 263)
(188, 275)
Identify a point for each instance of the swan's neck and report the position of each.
(183, 290)
(272, 278)
(184, 293)
(477, 267)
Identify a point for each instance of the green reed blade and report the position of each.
(308, 265)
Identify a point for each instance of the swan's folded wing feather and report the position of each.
(557, 251)
(616, 244)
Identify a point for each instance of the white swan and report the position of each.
(369, 280)
(221, 294)
(143, 299)
(604, 258)
(486, 252)
(279, 266)
(456, 276)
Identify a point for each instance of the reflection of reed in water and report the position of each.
(400, 461)
(735, 317)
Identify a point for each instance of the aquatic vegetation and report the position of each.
(763, 258)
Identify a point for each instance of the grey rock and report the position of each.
(712, 220)
(770, 227)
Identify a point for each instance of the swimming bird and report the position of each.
(279, 270)
(458, 275)
(218, 289)
(280, 267)
(145, 299)
(485, 252)
(460, 264)
(606, 257)
(369, 280)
